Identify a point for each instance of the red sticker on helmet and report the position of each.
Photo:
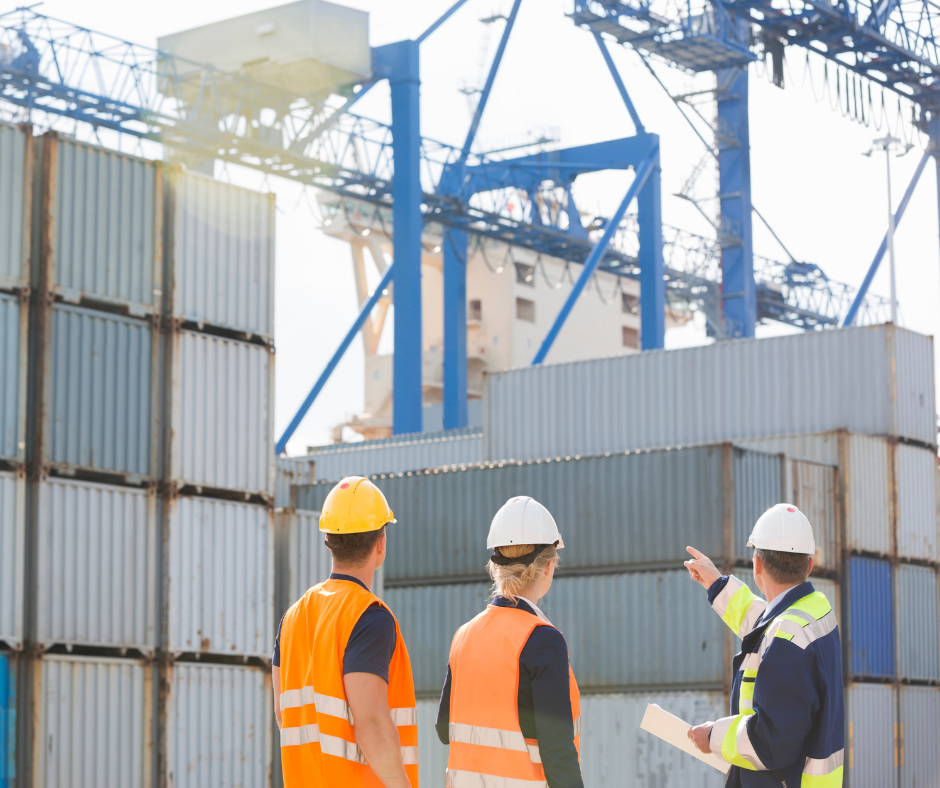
(345, 485)
(790, 509)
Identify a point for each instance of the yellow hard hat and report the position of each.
(355, 506)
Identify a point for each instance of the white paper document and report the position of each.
(674, 731)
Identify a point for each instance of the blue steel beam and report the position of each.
(402, 62)
(652, 281)
(873, 268)
(739, 293)
(337, 356)
(440, 21)
(643, 172)
(637, 123)
(455, 329)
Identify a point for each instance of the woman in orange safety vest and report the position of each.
(510, 708)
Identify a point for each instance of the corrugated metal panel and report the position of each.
(433, 416)
(13, 331)
(218, 727)
(222, 414)
(822, 447)
(303, 560)
(918, 623)
(872, 736)
(222, 254)
(97, 565)
(220, 577)
(815, 492)
(624, 510)
(99, 397)
(291, 471)
(15, 183)
(758, 480)
(914, 385)
(867, 483)
(9, 666)
(809, 382)
(615, 753)
(600, 616)
(395, 455)
(106, 227)
(917, 502)
(871, 618)
(12, 556)
(920, 721)
(95, 726)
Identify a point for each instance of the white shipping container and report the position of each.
(15, 202)
(615, 753)
(218, 726)
(219, 582)
(221, 254)
(93, 725)
(871, 736)
(920, 722)
(303, 560)
(12, 556)
(221, 428)
(866, 479)
(916, 475)
(736, 390)
(96, 578)
(291, 471)
(14, 328)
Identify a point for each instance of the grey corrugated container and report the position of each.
(105, 230)
(219, 582)
(96, 578)
(93, 723)
(221, 422)
(397, 454)
(218, 726)
(600, 616)
(625, 510)
(816, 492)
(13, 360)
(15, 203)
(758, 485)
(433, 416)
(918, 624)
(822, 448)
(221, 247)
(916, 474)
(747, 388)
(12, 556)
(100, 393)
(303, 560)
(871, 743)
(291, 471)
(615, 753)
(866, 475)
(920, 721)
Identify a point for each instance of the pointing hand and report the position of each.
(701, 568)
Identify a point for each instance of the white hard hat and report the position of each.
(523, 520)
(785, 528)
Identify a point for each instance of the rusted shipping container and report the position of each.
(16, 183)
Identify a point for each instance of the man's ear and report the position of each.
(812, 563)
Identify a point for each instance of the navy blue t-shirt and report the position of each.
(371, 644)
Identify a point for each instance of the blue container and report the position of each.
(871, 618)
(7, 721)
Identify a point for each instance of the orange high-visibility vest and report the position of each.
(318, 740)
(485, 736)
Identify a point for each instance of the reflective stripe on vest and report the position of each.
(487, 747)
(738, 607)
(318, 740)
(823, 772)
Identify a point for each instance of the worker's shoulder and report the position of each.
(546, 640)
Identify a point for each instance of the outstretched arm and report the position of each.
(731, 599)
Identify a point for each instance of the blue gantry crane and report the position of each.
(52, 70)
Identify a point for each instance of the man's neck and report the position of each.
(362, 573)
(774, 591)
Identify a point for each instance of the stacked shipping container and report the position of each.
(136, 488)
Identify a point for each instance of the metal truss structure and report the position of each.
(52, 71)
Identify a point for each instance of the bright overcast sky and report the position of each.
(825, 200)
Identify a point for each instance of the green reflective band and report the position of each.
(737, 608)
(747, 690)
(783, 635)
(729, 744)
(814, 604)
(750, 673)
(831, 780)
(795, 619)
